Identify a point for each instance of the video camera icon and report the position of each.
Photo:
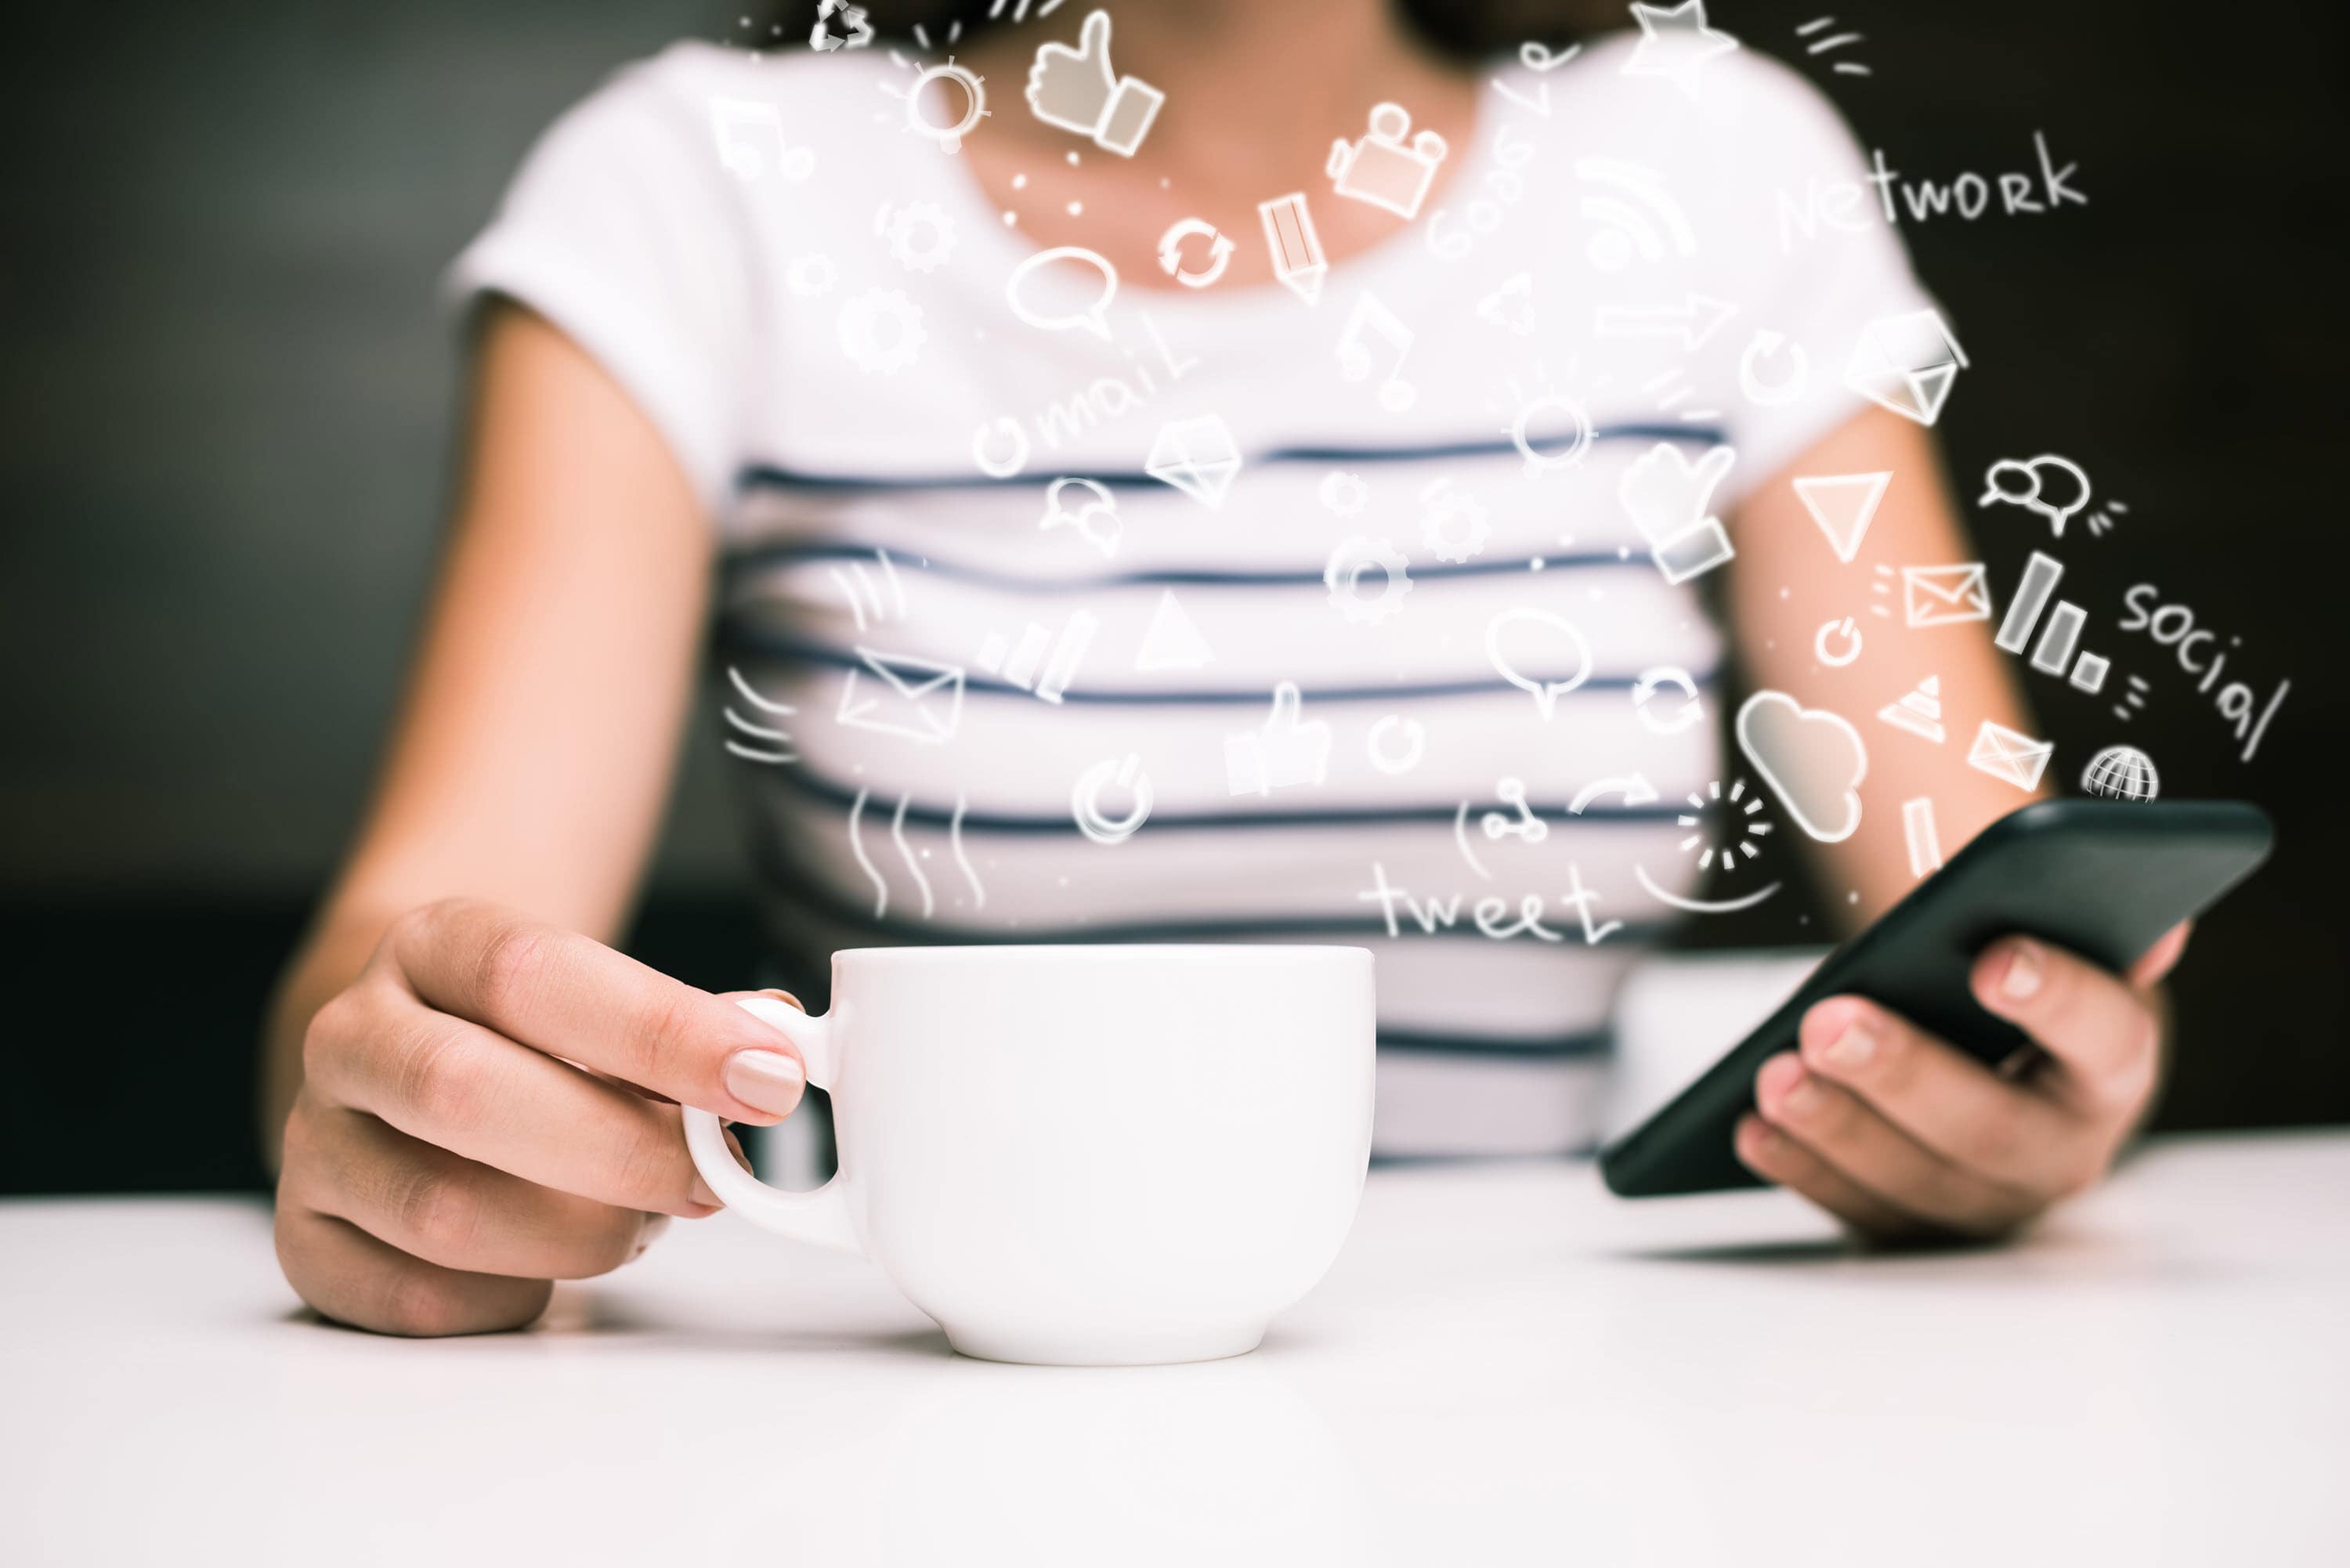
(1380, 170)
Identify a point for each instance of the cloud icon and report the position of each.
(1812, 760)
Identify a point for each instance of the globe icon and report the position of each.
(2121, 772)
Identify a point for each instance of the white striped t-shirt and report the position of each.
(1297, 700)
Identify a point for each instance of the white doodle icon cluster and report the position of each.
(1405, 530)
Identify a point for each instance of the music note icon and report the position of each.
(1355, 358)
(739, 124)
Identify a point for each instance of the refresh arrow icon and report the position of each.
(1636, 791)
(1170, 251)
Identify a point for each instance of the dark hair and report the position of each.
(1466, 29)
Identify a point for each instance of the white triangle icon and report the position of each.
(1172, 642)
(1920, 712)
(1843, 504)
(1932, 387)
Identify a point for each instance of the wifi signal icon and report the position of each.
(1638, 217)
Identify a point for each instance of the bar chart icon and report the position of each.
(1039, 650)
(2054, 652)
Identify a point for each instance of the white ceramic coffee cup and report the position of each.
(1083, 1156)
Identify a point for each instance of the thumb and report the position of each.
(2157, 961)
(1094, 42)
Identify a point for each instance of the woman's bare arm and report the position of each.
(537, 736)
(1874, 1118)
(1786, 583)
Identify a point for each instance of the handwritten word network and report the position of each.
(1845, 205)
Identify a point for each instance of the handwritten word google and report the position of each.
(1842, 204)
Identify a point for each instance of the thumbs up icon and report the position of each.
(1668, 499)
(1077, 90)
(1287, 751)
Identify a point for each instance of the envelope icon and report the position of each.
(1945, 595)
(1196, 456)
(918, 699)
(1906, 363)
(2005, 754)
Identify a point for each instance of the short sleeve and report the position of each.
(1814, 264)
(620, 230)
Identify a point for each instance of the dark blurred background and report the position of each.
(229, 393)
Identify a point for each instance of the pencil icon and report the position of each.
(1297, 258)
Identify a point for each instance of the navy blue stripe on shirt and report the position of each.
(753, 476)
(737, 642)
(1532, 1047)
(750, 557)
(787, 887)
(805, 782)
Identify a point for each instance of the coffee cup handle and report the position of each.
(820, 1217)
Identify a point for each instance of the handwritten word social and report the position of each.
(2173, 626)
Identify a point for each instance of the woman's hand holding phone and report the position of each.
(1902, 1136)
(493, 1106)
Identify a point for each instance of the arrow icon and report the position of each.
(1635, 790)
(1694, 322)
(1170, 251)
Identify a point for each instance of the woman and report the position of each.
(1494, 367)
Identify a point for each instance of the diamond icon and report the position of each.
(1196, 456)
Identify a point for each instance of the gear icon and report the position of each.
(811, 274)
(1455, 527)
(1343, 578)
(883, 350)
(1344, 493)
(920, 236)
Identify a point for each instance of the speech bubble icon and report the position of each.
(1092, 317)
(2022, 482)
(1513, 653)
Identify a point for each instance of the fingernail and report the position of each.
(648, 1234)
(1854, 1047)
(765, 1081)
(702, 1194)
(1801, 1098)
(2022, 977)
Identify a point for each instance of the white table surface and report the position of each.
(1505, 1366)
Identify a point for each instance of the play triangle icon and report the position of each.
(1172, 642)
(1843, 504)
(1920, 712)
(1932, 387)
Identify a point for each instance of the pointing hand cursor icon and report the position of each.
(1077, 90)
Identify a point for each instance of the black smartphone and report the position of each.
(2101, 878)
